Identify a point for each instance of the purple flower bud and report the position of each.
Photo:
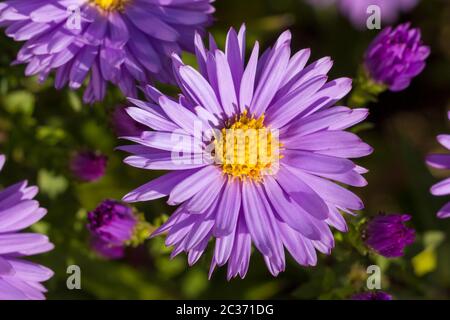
(114, 226)
(88, 166)
(396, 56)
(124, 125)
(388, 236)
(112, 222)
(372, 295)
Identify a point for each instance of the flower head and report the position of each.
(388, 235)
(88, 165)
(120, 41)
(124, 125)
(21, 279)
(396, 56)
(372, 295)
(114, 226)
(356, 10)
(441, 161)
(254, 148)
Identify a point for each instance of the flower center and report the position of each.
(246, 148)
(110, 5)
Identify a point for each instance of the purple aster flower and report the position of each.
(88, 165)
(372, 295)
(120, 41)
(388, 235)
(124, 125)
(21, 279)
(396, 56)
(275, 187)
(114, 226)
(356, 10)
(441, 161)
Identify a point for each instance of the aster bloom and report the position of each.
(372, 295)
(274, 188)
(21, 279)
(124, 125)
(114, 226)
(388, 235)
(356, 10)
(121, 41)
(396, 56)
(88, 166)
(441, 161)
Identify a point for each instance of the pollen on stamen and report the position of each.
(111, 5)
(247, 149)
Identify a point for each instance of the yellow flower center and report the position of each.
(246, 148)
(110, 5)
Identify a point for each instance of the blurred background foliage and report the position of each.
(40, 128)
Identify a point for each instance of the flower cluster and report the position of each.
(258, 150)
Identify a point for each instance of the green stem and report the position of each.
(365, 90)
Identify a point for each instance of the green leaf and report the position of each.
(365, 90)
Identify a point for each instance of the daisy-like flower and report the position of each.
(254, 148)
(388, 235)
(441, 161)
(88, 166)
(396, 56)
(21, 279)
(356, 10)
(121, 41)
